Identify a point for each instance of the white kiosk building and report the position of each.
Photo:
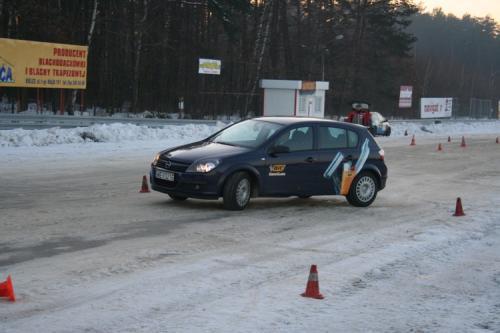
(294, 98)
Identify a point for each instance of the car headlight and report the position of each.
(203, 166)
(157, 157)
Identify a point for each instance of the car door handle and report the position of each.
(310, 160)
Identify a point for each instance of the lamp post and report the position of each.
(324, 51)
(323, 64)
(327, 51)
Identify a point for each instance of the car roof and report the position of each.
(298, 120)
(293, 120)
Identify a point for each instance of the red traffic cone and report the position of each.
(406, 132)
(144, 187)
(463, 143)
(449, 139)
(312, 288)
(7, 289)
(413, 143)
(440, 148)
(458, 209)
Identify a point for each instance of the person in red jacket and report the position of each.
(360, 114)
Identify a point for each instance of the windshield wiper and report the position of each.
(227, 143)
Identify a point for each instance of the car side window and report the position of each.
(297, 139)
(352, 139)
(332, 137)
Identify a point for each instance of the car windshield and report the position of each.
(248, 133)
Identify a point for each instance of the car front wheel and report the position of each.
(363, 190)
(237, 191)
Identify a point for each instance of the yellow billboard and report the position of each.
(42, 65)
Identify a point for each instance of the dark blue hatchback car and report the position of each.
(274, 157)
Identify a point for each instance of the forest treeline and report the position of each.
(143, 54)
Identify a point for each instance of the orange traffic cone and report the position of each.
(449, 139)
(7, 289)
(406, 132)
(463, 143)
(458, 209)
(440, 148)
(413, 140)
(312, 288)
(144, 187)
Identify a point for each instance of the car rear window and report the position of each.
(335, 137)
(352, 139)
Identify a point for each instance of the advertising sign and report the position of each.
(436, 107)
(405, 96)
(42, 65)
(209, 66)
(308, 85)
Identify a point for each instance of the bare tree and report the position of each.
(139, 33)
(260, 49)
(89, 42)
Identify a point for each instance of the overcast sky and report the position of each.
(460, 7)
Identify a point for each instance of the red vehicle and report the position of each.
(360, 114)
(374, 121)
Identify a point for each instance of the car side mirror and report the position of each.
(278, 150)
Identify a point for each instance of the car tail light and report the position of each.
(381, 152)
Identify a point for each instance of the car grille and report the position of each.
(174, 165)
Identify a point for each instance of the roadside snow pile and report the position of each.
(446, 128)
(118, 132)
(102, 133)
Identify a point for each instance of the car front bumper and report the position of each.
(193, 185)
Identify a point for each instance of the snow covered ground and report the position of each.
(88, 253)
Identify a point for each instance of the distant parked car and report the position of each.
(274, 157)
(380, 125)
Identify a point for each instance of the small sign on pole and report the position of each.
(405, 97)
(209, 66)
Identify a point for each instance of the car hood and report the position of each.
(201, 150)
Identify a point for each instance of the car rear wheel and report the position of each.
(363, 190)
(177, 197)
(388, 131)
(237, 191)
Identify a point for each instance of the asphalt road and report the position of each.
(82, 243)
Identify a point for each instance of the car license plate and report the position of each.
(165, 175)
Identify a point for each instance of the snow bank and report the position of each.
(117, 132)
(102, 133)
(446, 128)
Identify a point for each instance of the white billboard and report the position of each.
(436, 107)
(209, 66)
